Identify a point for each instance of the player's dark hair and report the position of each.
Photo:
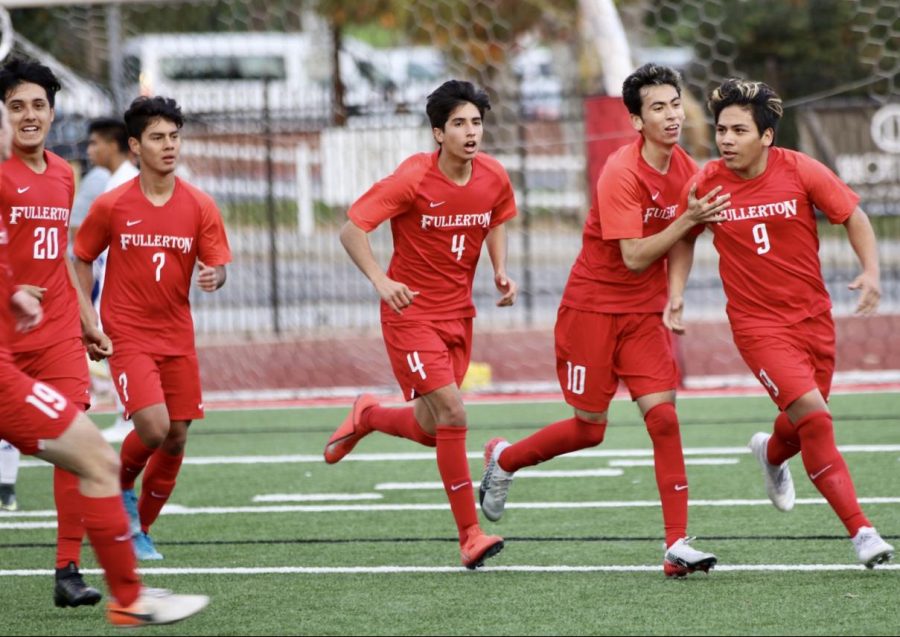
(110, 129)
(451, 94)
(758, 98)
(20, 70)
(648, 75)
(144, 110)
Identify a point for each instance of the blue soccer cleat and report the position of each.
(144, 549)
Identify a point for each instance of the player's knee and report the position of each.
(815, 427)
(108, 463)
(662, 421)
(174, 446)
(451, 415)
(591, 433)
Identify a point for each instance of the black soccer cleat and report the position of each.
(71, 591)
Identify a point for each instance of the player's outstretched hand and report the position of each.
(708, 208)
(207, 277)
(397, 295)
(673, 315)
(508, 288)
(98, 344)
(26, 310)
(869, 293)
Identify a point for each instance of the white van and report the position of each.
(228, 72)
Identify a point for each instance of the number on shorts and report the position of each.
(761, 237)
(457, 245)
(46, 243)
(768, 382)
(575, 378)
(161, 258)
(123, 383)
(415, 364)
(47, 399)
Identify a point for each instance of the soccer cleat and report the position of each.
(144, 549)
(8, 498)
(155, 606)
(129, 499)
(681, 559)
(495, 481)
(478, 547)
(779, 484)
(70, 589)
(350, 432)
(871, 550)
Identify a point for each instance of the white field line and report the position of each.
(478, 455)
(648, 462)
(27, 525)
(400, 570)
(177, 509)
(430, 486)
(316, 497)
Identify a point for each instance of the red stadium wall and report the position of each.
(514, 356)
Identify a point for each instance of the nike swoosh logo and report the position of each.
(681, 487)
(21, 190)
(435, 204)
(457, 487)
(141, 617)
(815, 475)
(123, 538)
(158, 495)
(133, 223)
(654, 195)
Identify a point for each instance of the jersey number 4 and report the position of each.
(457, 245)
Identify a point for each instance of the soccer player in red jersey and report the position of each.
(43, 422)
(609, 326)
(35, 202)
(157, 228)
(442, 207)
(778, 306)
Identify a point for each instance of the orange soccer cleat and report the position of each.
(478, 547)
(350, 432)
(155, 606)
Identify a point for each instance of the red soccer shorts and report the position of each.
(149, 379)
(62, 365)
(594, 351)
(30, 411)
(791, 360)
(428, 355)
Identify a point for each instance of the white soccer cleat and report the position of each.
(871, 550)
(779, 484)
(495, 481)
(682, 559)
(155, 606)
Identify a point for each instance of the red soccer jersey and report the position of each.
(35, 208)
(438, 227)
(152, 252)
(768, 245)
(632, 200)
